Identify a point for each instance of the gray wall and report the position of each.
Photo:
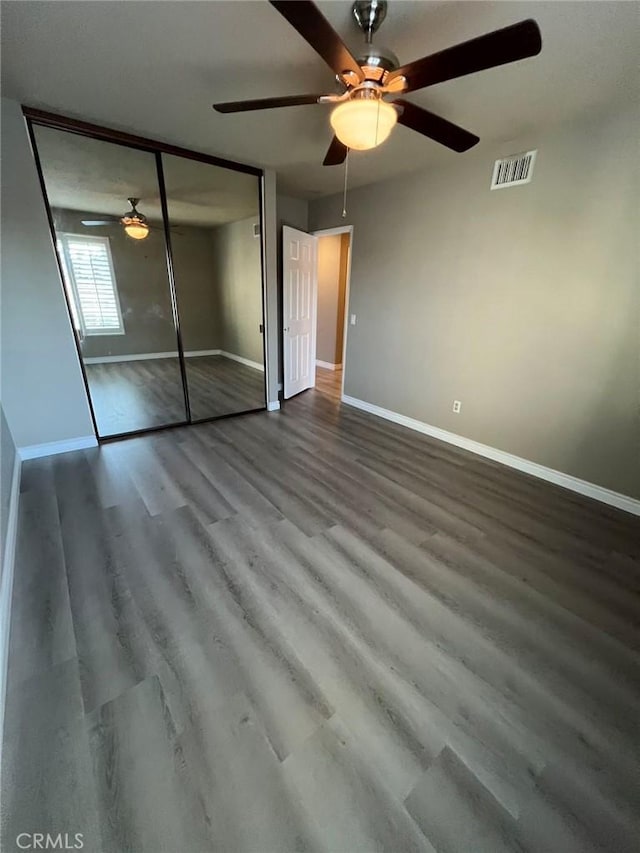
(523, 303)
(198, 298)
(237, 271)
(7, 463)
(331, 293)
(42, 390)
(293, 212)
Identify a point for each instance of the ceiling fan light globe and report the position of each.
(363, 124)
(137, 230)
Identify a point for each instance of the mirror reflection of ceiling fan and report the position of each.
(134, 223)
(363, 118)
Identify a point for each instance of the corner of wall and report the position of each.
(42, 388)
(270, 249)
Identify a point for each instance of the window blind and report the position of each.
(88, 262)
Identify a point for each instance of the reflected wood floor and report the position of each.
(134, 395)
(316, 630)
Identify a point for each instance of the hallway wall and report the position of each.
(333, 252)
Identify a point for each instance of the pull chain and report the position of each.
(344, 197)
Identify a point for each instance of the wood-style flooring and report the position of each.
(134, 395)
(316, 630)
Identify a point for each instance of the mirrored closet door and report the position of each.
(214, 215)
(115, 278)
(160, 256)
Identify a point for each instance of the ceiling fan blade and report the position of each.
(435, 127)
(498, 48)
(90, 223)
(266, 103)
(305, 17)
(336, 154)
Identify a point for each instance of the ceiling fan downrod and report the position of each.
(376, 62)
(369, 14)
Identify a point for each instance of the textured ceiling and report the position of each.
(91, 175)
(156, 67)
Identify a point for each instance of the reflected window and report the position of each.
(91, 284)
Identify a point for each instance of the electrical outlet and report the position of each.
(457, 405)
(353, 319)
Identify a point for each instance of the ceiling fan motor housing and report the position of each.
(133, 217)
(377, 62)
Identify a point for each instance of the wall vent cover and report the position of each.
(513, 170)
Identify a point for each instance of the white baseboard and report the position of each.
(35, 451)
(6, 588)
(328, 365)
(273, 406)
(583, 487)
(246, 361)
(148, 356)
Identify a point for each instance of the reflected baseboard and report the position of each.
(195, 353)
(246, 361)
(148, 356)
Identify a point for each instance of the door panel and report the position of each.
(299, 310)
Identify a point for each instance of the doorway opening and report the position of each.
(333, 261)
(334, 268)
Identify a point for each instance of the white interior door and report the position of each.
(299, 307)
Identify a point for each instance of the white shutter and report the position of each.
(89, 266)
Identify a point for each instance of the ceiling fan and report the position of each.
(363, 117)
(134, 223)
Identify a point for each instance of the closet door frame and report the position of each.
(34, 118)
